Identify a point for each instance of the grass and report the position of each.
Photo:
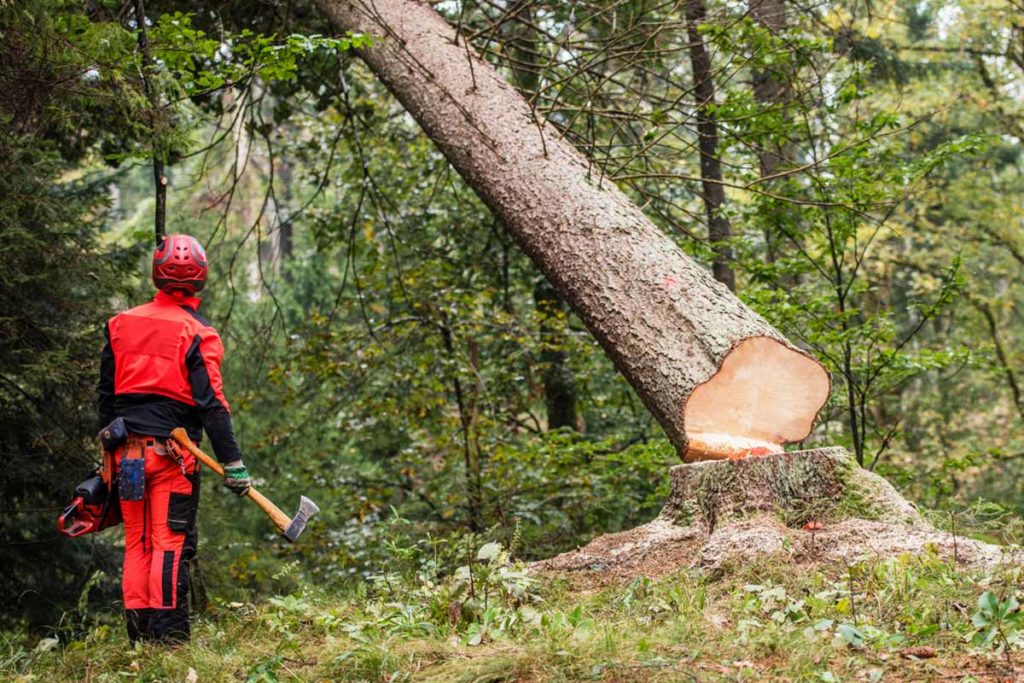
(761, 622)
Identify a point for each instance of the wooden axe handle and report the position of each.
(281, 520)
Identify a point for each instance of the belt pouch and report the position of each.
(132, 474)
(114, 434)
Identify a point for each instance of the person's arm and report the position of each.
(105, 387)
(203, 361)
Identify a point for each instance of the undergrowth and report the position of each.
(910, 618)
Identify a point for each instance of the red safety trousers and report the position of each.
(160, 540)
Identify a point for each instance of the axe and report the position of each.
(291, 527)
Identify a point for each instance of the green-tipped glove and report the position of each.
(236, 477)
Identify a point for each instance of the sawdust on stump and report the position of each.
(805, 507)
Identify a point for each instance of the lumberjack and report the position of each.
(159, 370)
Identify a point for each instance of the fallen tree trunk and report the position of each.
(710, 370)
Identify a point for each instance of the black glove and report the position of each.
(236, 477)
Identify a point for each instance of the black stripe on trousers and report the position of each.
(167, 580)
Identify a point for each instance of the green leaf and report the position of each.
(850, 634)
(988, 602)
(488, 552)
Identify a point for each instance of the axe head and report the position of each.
(307, 509)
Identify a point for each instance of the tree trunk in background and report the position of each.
(283, 236)
(559, 380)
(1001, 356)
(701, 361)
(719, 230)
(521, 41)
(560, 395)
(155, 121)
(768, 91)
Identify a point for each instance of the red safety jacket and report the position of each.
(160, 369)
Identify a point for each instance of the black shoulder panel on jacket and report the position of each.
(195, 314)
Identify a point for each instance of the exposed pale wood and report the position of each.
(762, 393)
(712, 446)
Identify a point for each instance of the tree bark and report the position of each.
(700, 360)
(719, 230)
(798, 487)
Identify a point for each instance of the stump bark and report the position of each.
(797, 488)
(804, 506)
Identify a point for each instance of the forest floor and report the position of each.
(912, 618)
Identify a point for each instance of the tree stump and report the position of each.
(798, 487)
(814, 506)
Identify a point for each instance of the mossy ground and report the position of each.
(758, 622)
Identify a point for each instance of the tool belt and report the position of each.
(131, 474)
(96, 503)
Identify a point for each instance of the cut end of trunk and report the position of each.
(764, 394)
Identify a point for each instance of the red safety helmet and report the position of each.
(180, 263)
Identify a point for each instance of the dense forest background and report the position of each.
(852, 169)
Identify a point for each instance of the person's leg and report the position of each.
(173, 501)
(136, 568)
